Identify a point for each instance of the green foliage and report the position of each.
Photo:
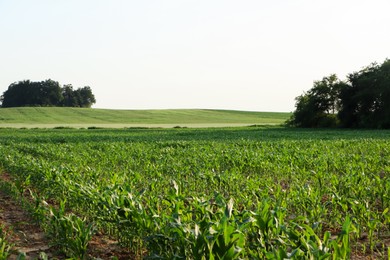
(366, 100)
(341, 246)
(216, 234)
(318, 107)
(81, 97)
(46, 93)
(5, 247)
(69, 232)
(234, 193)
(362, 102)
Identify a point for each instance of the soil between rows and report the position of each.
(27, 237)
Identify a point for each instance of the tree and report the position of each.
(50, 93)
(70, 99)
(46, 93)
(22, 93)
(318, 106)
(363, 102)
(366, 100)
(86, 98)
(82, 97)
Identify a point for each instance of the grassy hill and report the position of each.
(85, 117)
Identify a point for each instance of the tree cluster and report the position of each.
(362, 101)
(46, 93)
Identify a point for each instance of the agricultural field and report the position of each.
(50, 117)
(215, 193)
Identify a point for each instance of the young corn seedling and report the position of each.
(268, 230)
(71, 233)
(221, 237)
(341, 246)
(5, 247)
(228, 236)
(306, 243)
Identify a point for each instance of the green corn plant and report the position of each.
(39, 208)
(229, 236)
(170, 237)
(81, 234)
(372, 225)
(23, 183)
(70, 232)
(133, 222)
(215, 234)
(268, 229)
(225, 236)
(341, 246)
(386, 218)
(306, 243)
(5, 247)
(320, 177)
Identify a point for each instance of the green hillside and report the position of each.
(85, 117)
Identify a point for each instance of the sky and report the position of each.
(253, 55)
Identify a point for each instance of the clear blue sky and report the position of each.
(246, 55)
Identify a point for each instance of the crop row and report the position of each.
(221, 198)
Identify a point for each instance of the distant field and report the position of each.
(49, 117)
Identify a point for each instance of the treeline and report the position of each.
(46, 93)
(362, 101)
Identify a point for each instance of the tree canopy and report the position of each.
(46, 93)
(363, 101)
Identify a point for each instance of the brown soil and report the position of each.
(27, 237)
